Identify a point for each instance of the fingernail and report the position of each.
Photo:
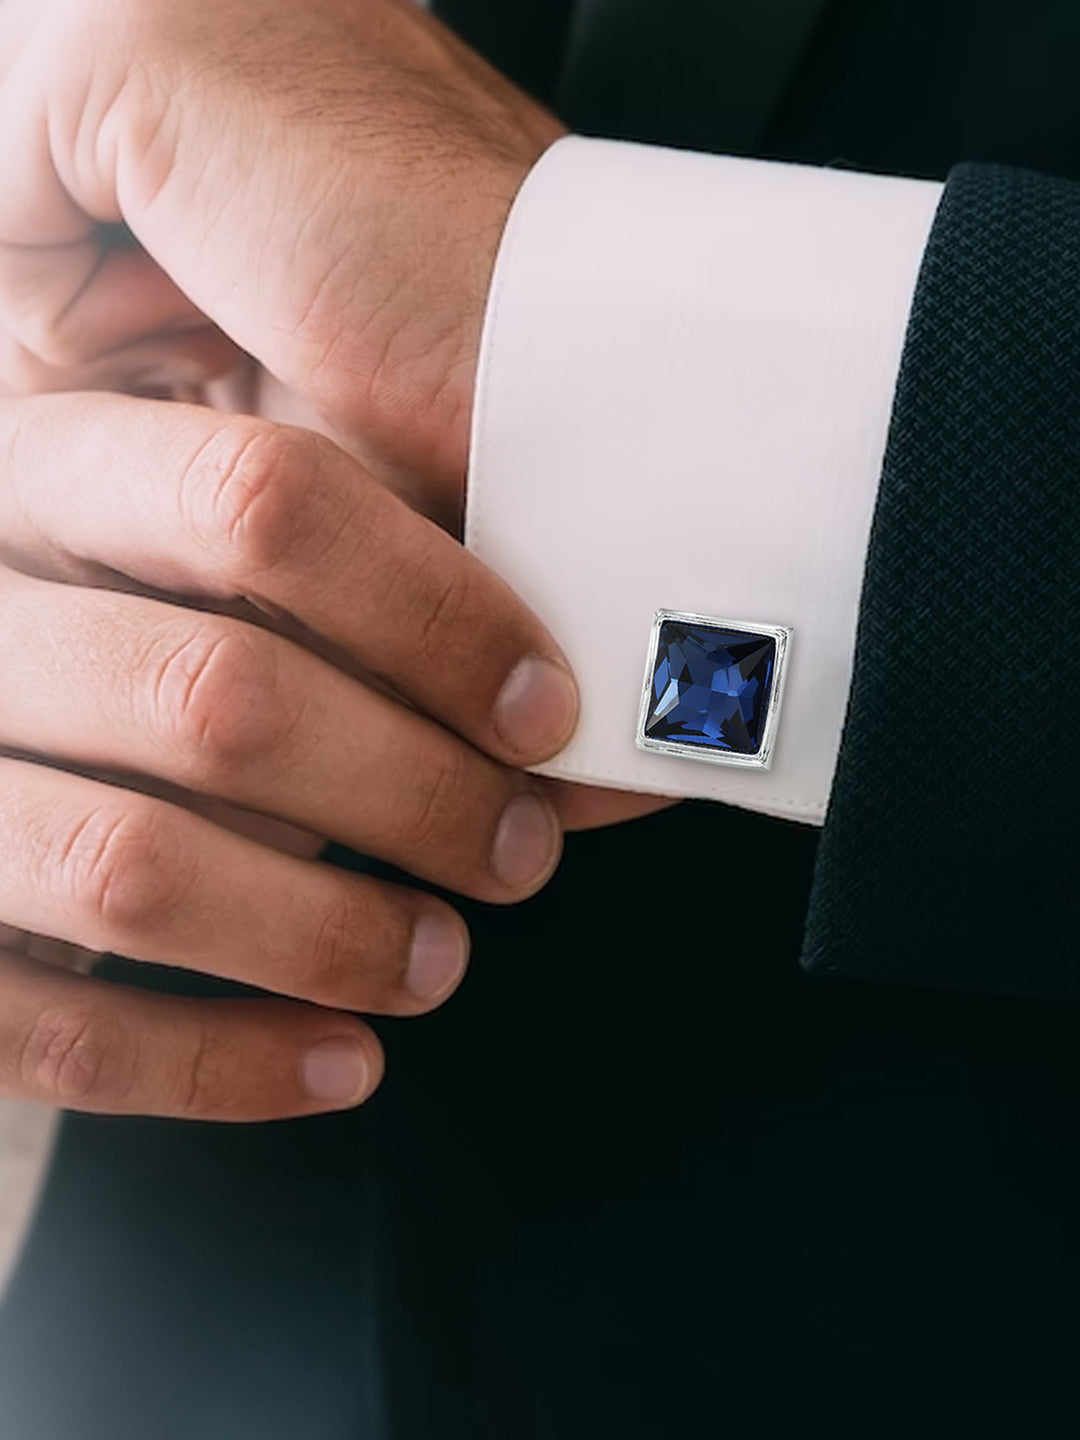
(437, 959)
(536, 707)
(526, 842)
(336, 1072)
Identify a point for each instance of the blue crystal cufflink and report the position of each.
(713, 689)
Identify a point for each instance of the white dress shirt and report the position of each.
(684, 391)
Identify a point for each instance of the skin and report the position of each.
(118, 687)
(325, 183)
(224, 639)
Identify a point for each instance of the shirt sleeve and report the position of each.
(683, 397)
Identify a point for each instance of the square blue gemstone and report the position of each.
(711, 687)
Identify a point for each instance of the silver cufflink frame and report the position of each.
(762, 758)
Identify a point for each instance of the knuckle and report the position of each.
(454, 621)
(440, 802)
(333, 972)
(215, 699)
(200, 1078)
(74, 1056)
(247, 495)
(439, 624)
(119, 873)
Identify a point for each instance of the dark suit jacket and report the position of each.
(646, 1177)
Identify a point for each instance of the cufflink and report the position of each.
(713, 689)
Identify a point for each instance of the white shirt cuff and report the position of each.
(684, 390)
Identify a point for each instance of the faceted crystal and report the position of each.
(711, 687)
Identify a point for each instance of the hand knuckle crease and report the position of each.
(439, 620)
(224, 487)
(214, 698)
(333, 952)
(66, 1055)
(259, 504)
(199, 1079)
(438, 801)
(111, 870)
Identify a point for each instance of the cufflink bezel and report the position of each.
(762, 757)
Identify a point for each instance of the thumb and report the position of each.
(74, 286)
(326, 183)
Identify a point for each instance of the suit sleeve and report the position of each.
(951, 851)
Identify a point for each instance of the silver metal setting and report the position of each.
(763, 759)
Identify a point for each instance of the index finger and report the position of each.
(227, 509)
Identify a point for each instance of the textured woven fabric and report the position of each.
(951, 854)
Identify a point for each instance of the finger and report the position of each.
(229, 508)
(587, 807)
(191, 358)
(266, 829)
(89, 1045)
(49, 951)
(71, 304)
(274, 401)
(79, 298)
(58, 952)
(82, 306)
(73, 284)
(116, 871)
(224, 708)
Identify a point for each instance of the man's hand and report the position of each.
(326, 182)
(113, 699)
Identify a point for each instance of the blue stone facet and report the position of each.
(711, 687)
